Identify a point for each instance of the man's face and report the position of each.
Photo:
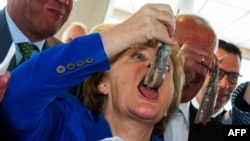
(202, 40)
(230, 64)
(39, 19)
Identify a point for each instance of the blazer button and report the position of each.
(80, 63)
(60, 69)
(71, 66)
(89, 60)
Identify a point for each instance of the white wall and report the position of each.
(90, 12)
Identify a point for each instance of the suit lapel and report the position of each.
(5, 40)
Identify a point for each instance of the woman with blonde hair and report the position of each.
(114, 64)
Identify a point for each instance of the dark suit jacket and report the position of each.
(213, 131)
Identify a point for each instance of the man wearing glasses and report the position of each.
(228, 78)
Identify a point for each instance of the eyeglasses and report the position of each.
(232, 77)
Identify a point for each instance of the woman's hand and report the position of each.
(152, 21)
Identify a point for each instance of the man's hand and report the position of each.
(198, 61)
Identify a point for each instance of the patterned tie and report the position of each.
(26, 50)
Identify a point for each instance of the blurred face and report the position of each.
(230, 64)
(128, 98)
(200, 37)
(73, 33)
(39, 19)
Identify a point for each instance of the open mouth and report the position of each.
(222, 92)
(56, 13)
(148, 93)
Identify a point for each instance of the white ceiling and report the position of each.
(229, 18)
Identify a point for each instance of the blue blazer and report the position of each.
(43, 111)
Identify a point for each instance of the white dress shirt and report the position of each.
(178, 127)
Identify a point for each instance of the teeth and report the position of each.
(163, 76)
(167, 68)
(159, 44)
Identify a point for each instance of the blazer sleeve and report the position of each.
(240, 108)
(37, 82)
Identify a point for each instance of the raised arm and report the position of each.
(37, 82)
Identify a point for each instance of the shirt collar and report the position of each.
(184, 107)
(197, 105)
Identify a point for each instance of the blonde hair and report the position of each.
(94, 100)
(102, 27)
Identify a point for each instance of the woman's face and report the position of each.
(127, 96)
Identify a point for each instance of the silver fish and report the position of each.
(158, 67)
(207, 104)
(206, 108)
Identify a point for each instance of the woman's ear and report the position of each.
(103, 86)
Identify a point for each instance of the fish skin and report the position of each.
(206, 108)
(156, 73)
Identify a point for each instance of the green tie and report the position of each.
(26, 50)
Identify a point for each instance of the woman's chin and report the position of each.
(146, 113)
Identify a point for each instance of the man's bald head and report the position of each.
(193, 28)
(76, 29)
(195, 32)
